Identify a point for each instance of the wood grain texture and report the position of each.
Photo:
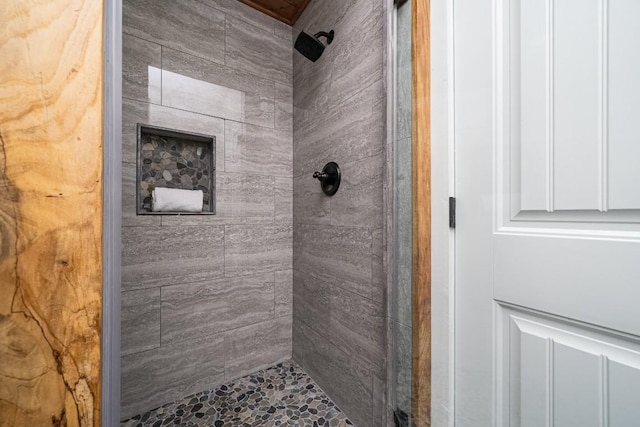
(50, 212)
(287, 11)
(421, 149)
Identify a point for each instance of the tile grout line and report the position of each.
(160, 316)
(224, 252)
(274, 295)
(224, 56)
(204, 115)
(161, 74)
(233, 69)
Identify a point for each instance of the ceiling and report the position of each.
(287, 11)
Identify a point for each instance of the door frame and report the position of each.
(112, 190)
(442, 237)
(434, 296)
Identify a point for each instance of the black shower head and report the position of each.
(310, 46)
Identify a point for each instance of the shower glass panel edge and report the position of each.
(402, 217)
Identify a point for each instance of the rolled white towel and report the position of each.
(176, 200)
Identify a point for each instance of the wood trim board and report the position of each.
(421, 188)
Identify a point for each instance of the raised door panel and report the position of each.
(623, 394)
(566, 111)
(565, 374)
(567, 218)
(623, 112)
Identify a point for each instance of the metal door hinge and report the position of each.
(452, 212)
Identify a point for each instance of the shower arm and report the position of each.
(328, 36)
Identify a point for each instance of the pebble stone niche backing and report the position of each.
(283, 395)
(175, 160)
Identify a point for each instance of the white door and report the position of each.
(547, 159)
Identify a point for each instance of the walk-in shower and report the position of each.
(270, 309)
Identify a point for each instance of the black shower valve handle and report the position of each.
(320, 176)
(329, 178)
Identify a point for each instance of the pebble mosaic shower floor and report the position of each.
(283, 395)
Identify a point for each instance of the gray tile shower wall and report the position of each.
(208, 298)
(339, 282)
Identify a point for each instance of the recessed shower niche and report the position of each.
(173, 159)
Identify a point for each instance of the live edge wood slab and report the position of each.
(50, 212)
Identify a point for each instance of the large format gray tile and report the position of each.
(284, 107)
(338, 255)
(378, 271)
(284, 293)
(155, 377)
(163, 256)
(340, 129)
(340, 114)
(257, 51)
(379, 394)
(140, 320)
(352, 62)
(134, 112)
(241, 11)
(310, 204)
(198, 309)
(255, 149)
(130, 218)
(337, 372)
(257, 249)
(388, 199)
(185, 25)
(283, 31)
(311, 301)
(332, 13)
(141, 69)
(358, 52)
(358, 326)
(284, 199)
(258, 346)
(311, 82)
(246, 198)
(256, 87)
(186, 93)
(240, 199)
(193, 84)
(358, 201)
